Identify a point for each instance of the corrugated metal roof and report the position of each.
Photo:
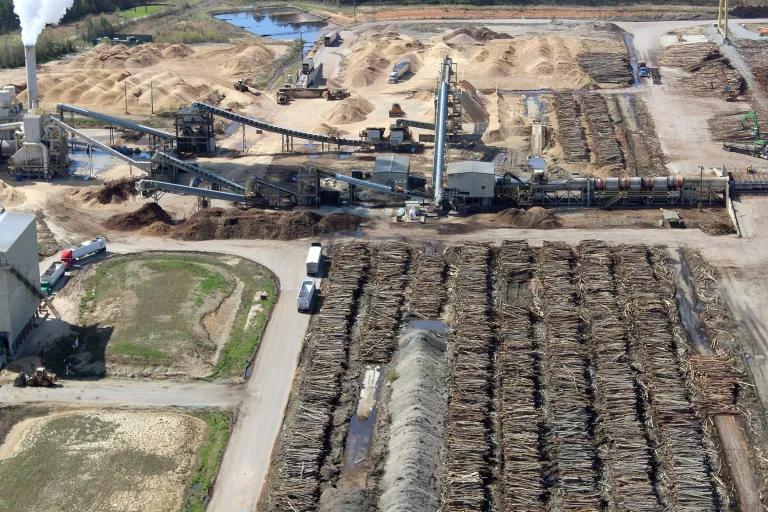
(12, 225)
(471, 166)
(392, 163)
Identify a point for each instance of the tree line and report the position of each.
(81, 8)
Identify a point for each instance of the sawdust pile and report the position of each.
(533, 218)
(147, 215)
(473, 104)
(218, 223)
(157, 229)
(106, 55)
(473, 35)
(350, 110)
(10, 196)
(112, 192)
(371, 58)
(244, 58)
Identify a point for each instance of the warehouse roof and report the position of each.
(392, 163)
(12, 225)
(471, 166)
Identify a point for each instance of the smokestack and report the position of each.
(29, 56)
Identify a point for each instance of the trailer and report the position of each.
(51, 276)
(314, 259)
(331, 38)
(398, 70)
(70, 256)
(306, 296)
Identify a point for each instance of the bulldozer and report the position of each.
(396, 111)
(241, 86)
(336, 94)
(40, 378)
(283, 98)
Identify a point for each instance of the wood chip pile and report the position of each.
(683, 481)
(566, 362)
(303, 449)
(607, 67)
(520, 418)
(604, 144)
(382, 316)
(570, 133)
(467, 447)
(626, 457)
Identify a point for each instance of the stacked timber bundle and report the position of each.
(711, 73)
(319, 387)
(383, 312)
(521, 479)
(607, 67)
(683, 481)
(756, 54)
(604, 140)
(467, 443)
(625, 454)
(426, 292)
(566, 363)
(715, 380)
(570, 133)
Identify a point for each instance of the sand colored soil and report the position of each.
(145, 216)
(350, 110)
(372, 57)
(536, 217)
(217, 223)
(111, 192)
(10, 196)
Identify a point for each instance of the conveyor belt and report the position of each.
(424, 125)
(144, 166)
(152, 186)
(123, 123)
(276, 129)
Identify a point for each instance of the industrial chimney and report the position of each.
(29, 56)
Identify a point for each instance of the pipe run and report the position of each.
(440, 130)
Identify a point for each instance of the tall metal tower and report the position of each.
(722, 19)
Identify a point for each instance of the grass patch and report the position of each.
(141, 11)
(147, 355)
(208, 460)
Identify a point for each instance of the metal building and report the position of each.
(19, 279)
(391, 170)
(472, 180)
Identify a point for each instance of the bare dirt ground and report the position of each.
(113, 461)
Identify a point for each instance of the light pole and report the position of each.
(701, 184)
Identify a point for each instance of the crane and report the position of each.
(759, 146)
(752, 116)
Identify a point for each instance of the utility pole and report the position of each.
(151, 96)
(701, 184)
(125, 95)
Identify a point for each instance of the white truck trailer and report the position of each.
(70, 256)
(331, 38)
(306, 296)
(51, 276)
(314, 259)
(398, 70)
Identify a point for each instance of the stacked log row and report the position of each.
(570, 133)
(604, 140)
(607, 67)
(467, 443)
(625, 453)
(566, 365)
(426, 292)
(303, 449)
(521, 468)
(682, 478)
(383, 312)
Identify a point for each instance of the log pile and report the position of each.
(319, 387)
(566, 363)
(604, 144)
(756, 54)
(522, 471)
(467, 443)
(607, 67)
(715, 380)
(426, 292)
(682, 479)
(730, 128)
(625, 454)
(570, 133)
(711, 72)
(383, 312)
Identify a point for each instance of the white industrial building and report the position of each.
(472, 180)
(19, 279)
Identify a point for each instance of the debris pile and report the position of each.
(112, 192)
(147, 215)
(532, 218)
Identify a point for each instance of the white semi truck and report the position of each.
(70, 256)
(314, 259)
(306, 296)
(398, 70)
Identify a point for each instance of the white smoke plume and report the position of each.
(36, 14)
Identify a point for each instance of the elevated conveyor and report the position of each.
(248, 121)
(143, 165)
(153, 187)
(424, 125)
(116, 121)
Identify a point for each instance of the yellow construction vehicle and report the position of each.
(283, 98)
(40, 378)
(396, 111)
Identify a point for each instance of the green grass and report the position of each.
(208, 460)
(147, 355)
(138, 12)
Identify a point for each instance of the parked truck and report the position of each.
(51, 276)
(398, 70)
(331, 38)
(70, 256)
(306, 296)
(314, 259)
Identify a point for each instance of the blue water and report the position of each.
(282, 26)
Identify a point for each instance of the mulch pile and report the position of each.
(111, 192)
(147, 215)
(536, 217)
